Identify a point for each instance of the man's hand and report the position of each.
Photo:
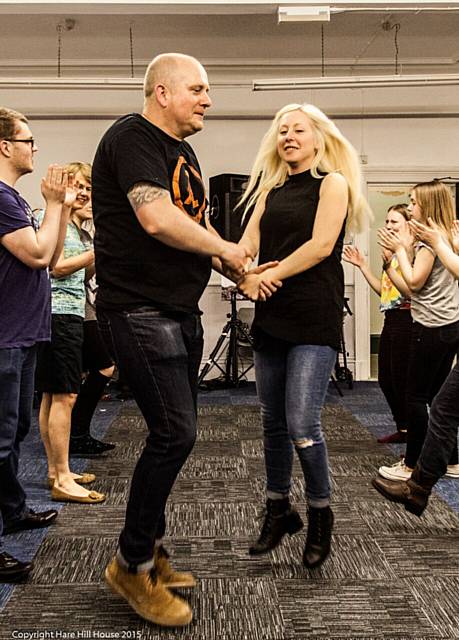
(234, 259)
(53, 187)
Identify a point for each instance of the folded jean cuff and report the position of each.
(320, 503)
(131, 567)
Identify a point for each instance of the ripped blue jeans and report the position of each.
(292, 381)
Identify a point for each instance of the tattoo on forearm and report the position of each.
(145, 192)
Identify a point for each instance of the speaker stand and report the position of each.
(233, 330)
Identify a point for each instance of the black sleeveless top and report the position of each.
(308, 308)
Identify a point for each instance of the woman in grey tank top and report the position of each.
(435, 312)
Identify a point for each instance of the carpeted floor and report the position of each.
(390, 576)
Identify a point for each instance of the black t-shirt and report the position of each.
(308, 308)
(133, 268)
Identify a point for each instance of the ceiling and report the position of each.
(236, 41)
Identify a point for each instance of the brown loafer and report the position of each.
(85, 478)
(93, 497)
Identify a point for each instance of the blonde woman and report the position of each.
(435, 312)
(60, 361)
(305, 186)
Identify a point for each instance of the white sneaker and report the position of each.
(452, 471)
(398, 471)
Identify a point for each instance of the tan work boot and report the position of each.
(148, 596)
(171, 578)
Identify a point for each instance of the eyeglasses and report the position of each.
(30, 141)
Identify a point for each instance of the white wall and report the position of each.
(419, 147)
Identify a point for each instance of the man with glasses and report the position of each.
(25, 253)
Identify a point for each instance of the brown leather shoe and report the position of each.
(408, 493)
(148, 596)
(171, 578)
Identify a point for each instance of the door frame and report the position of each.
(381, 176)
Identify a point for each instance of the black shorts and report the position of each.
(59, 363)
(95, 353)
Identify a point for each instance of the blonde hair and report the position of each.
(8, 122)
(436, 201)
(80, 167)
(402, 209)
(334, 154)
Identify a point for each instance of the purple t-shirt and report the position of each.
(25, 293)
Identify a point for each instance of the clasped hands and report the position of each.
(257, 284)
(394, 240)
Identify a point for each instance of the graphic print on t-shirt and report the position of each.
(188, 190)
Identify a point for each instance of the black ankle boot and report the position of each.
(318, 541)
(280, 518)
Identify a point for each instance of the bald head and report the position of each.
(176, 94)
(168, 69)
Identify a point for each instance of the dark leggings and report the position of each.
(432, 354)
(394, 353)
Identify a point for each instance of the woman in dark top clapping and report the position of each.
(305, 187)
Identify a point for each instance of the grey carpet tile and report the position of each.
(224, 449)
(383, 517)
(330, 609)
(390, 576)
(346, 431)
(212, 519)
(349, 489)
(422, 556)
(364, 466)
(227, 609)
(443, 614)
(215, 432)
(353, 557)
(80, 559)
(356, 447)
(214, 467)
(217, 489)
(90, 520)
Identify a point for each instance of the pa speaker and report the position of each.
(225, 191)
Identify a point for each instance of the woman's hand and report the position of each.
(389, 240)
(386, 256)
(70, 192)
(249, 286)
(455, 235)
(430, 233)
(260, 283)
(353, 256)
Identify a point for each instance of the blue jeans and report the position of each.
(292, 381)
(441, 438)
(17, 369)
(159, 357)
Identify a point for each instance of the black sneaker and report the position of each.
(88, 446)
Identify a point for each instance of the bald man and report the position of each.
(153, 261)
